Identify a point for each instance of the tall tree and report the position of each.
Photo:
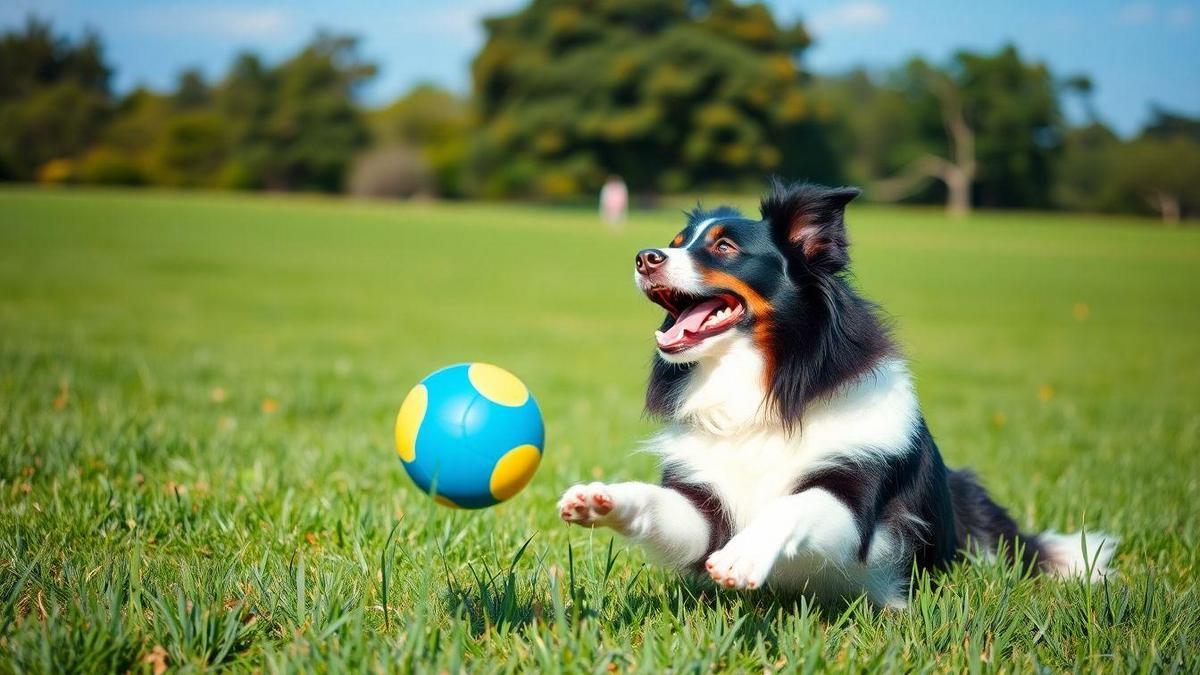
(54, 97)
(297, 125)
(433, 123)
(666, 93)
(986, 126)
(955, 166)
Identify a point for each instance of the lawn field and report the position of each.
(197, 468)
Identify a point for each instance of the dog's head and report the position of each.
(775, 281)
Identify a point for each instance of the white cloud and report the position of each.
(1137, 13)
(253, 23)
(1145, 13)
(459, 20)
(853, 16)
(1181, 16)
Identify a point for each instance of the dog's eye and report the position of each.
(725, 247)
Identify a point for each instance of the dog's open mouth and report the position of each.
(696, 318)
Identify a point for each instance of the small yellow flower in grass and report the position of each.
(1045, 392)
(269, 405)
(218, 395)
(226, 423)
(999, 419)
(1081, 311)
(597, 472)
(64, 394)
(311, 538)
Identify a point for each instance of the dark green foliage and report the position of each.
(435, 123)
(54, 98)
(1160, 176)
(1085, 171)
(192, 148)
(1012, 105)
(883, 124)
(1165, 124)
(1156, 173)
(290, 126)
(295, 126)
(668, 94)
(673, 95)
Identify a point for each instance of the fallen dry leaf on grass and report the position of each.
(157, 659)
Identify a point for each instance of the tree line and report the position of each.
(673, 96)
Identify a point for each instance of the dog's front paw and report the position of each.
(587, 505)
(744, 562)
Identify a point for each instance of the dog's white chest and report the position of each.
(745, 471)
(757, 461)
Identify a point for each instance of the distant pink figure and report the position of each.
(614, 201)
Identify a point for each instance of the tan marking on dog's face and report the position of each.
(760, 311)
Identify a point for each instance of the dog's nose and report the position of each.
(648, 260)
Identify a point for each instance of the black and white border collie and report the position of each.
(795, 454)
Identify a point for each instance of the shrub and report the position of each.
(105, 166)
(396, 171)
(57, 171)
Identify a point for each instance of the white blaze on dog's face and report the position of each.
(708, 282)
(678, 273)
(678, 278)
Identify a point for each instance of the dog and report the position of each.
(795, 454)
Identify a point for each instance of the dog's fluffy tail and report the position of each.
(983, 526)
(1078, 555)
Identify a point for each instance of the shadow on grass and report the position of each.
(497, 599)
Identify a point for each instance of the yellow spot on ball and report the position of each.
(408, 422)
(513, 471)
(497, 384)
(445, 502)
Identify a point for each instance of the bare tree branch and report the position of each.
(958, 173)
(912, 176)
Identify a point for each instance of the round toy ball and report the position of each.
(470, 435)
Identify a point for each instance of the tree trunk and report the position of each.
(958, 192)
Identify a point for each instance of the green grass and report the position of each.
(196, 464)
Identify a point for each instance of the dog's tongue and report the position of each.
(690, 321)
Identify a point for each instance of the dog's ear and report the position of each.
(808, 220)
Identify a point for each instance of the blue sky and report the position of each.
(1136, 51)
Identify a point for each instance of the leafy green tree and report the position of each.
(1086, 167)
(1165, 124)
(1012, 106)
(666, 93)
(192, 149)
(296, 126)
(1162, 175)
(191, 91)
(872, 126)
(54, 98)
(1156, 173)
(986, 127)
(434, 122)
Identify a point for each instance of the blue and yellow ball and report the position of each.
(470, 435)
